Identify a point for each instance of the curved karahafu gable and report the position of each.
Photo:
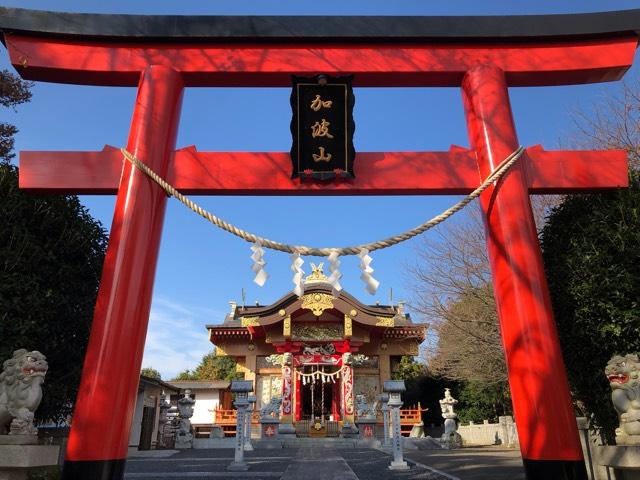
(318, 301)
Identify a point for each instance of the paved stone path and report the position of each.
(209, 464)
(473, 463)
(313, 463)
(288, 464)
(373, 464)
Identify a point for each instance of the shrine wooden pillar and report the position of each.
(297, 398)
(99, 437)
(346, 384)
(542, 405)
(335, 400)
(286, 419)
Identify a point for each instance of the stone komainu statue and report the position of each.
(624, 377)
(21, 391)
(363, 410)
(273, 407)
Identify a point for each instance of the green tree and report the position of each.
(51, 254)
(591, 250)
(151, 373)
(212, 367)
(480, 401)
(185, 375)
(412, 373)
(407, 368)
(13, 92)
(426, 390)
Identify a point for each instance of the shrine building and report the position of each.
(317, 351)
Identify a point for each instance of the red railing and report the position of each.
(227, 418)
(409, 417)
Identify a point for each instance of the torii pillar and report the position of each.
(534, 359)
(483, 55)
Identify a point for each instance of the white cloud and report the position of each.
(177, 338)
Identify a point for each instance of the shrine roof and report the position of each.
(243, 319)
(179, 28)
(200, 384)
(158, 383)
(246, 322)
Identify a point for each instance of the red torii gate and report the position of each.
(164, 54)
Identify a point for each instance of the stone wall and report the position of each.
(482, 434)
(488, 434)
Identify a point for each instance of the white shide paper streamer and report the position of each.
(334, 268)
(298, 274)
(258, 264)
(371, 283)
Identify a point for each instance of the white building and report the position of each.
(144, 429)
(208, 394)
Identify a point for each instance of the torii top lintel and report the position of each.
(105, 49)
(265, 51)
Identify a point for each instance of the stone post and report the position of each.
(241, 388)
(384, 399)
(394, 388)
(247, 424)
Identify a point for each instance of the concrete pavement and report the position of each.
(326, 463)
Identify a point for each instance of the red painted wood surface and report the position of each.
(298, 399)
(107, 396)
(391, 173)
(543, 411)
(542, 405)
(271, 65)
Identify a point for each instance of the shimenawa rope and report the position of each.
(326, 251)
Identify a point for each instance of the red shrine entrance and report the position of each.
(319, 399)
(483, 56)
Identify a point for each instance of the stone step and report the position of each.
(306, 442)
(297, 444)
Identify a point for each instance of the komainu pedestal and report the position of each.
(366, 421)
(270, 419)
(20, 395)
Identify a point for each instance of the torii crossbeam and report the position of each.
(164, 54)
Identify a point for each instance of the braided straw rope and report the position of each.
(326, 251)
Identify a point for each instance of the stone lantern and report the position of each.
(241, 388)
(394, 388)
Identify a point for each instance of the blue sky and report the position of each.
(200, 268)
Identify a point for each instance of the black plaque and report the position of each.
(322, 127)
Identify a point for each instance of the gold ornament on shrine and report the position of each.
(317, 302)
